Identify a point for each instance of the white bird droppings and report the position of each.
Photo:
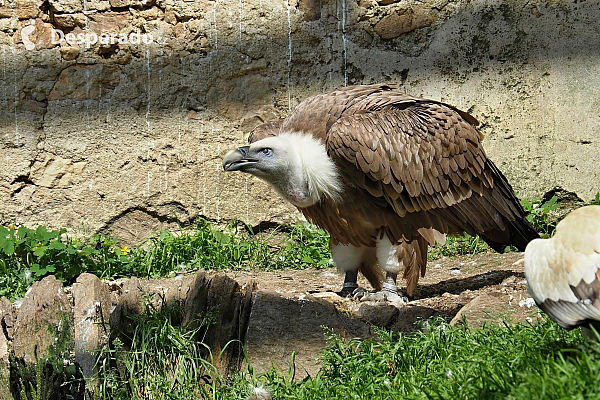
(528, 302)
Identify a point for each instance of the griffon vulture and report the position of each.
(563, 273)
(386, 174)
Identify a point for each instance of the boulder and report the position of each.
(493, 307)
(44, 323)
(284, 330)
(91, 314)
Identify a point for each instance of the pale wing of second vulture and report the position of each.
(563, 273)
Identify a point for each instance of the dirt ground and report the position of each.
(472, 288)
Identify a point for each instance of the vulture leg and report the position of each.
(389, 284)
(350, 260)
(388, 257)
(350, 284)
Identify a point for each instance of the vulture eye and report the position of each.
(267, 151)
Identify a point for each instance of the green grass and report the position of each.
(540, 361)
(458, 245)
(159, 359)
(453, 362)
(27, 255)
(235, 248)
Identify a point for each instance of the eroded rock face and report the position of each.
(289, 329)
(44, 323)
(101, 131)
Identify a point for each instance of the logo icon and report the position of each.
(25, 32)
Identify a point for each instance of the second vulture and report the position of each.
(563, 273)
(386, 174)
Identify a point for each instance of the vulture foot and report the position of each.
(383, 295)
(349, 290)
(359, 293)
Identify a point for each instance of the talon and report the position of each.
(384, 295)
(348, 289)
(359, 293)
(395, 297)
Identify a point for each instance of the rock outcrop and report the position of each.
(53, 324)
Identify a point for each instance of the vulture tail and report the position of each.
(520, 233)
(515, 229)
(413, 255)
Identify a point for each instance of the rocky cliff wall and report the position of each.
(122, 125)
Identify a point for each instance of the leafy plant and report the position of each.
(307, 246)
(27, 255)
(203, 246)
(236, 248)
(539, 215)
(596, 200)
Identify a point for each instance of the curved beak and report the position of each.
(237, 159)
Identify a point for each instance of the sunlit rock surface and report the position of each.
(124, 130)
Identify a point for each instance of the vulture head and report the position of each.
(563, 273)
(296, 165)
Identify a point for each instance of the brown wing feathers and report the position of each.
(265, 130)
(425, 157)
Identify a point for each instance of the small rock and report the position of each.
(378, 313)
(329, 296)
(69, 53)
(66, 6)
(399, 22)
(70, 20)
(487, 307)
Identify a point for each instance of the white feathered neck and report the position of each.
(311, 174)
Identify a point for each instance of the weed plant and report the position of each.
(27, 255)
(235, 248)
(539, 214)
